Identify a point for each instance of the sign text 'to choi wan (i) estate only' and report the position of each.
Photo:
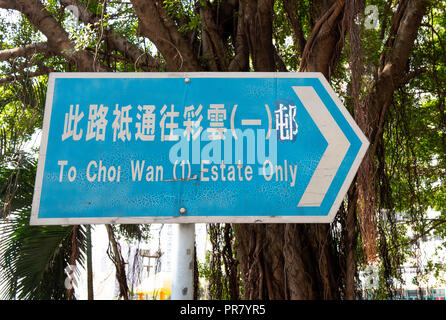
(194, 148)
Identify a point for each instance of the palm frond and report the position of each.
(33, 258)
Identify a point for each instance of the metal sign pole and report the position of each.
(183, 269)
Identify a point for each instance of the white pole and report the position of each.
(183, 267)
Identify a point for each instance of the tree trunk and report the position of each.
(90, 291)
(289, 261)
(116, 257)
(300, 261)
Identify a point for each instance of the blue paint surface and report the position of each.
(126, 198)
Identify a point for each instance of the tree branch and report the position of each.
(291, 10)
(430, 26)
(155, 24)
(213, 44)
(22, 72)
(7, 4)
(371, 114)
(280, 65)
(24, 51)
(58, 40)
(117, 42)
(435, 224)
(23, 76)
(407, 21)
(116, 256)
(413, 74)
(323, 46)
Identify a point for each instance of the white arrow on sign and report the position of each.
(333, 156)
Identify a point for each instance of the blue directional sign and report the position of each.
(194, 147)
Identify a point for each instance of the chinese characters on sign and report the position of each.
(145, 123)
(286, 122)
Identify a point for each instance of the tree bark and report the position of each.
(290, 261)
(7, 4)
(257, 18)
(291, 8)
(306, 252)
(156, 25)
(241, 60)
(24, 51)
(371, 119)
(214, 48)
(351, 235)
(325, 43)
(116, 257)
(90, 292)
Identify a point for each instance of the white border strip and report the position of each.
(186, 75)
(42, 152)
(181, 219)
